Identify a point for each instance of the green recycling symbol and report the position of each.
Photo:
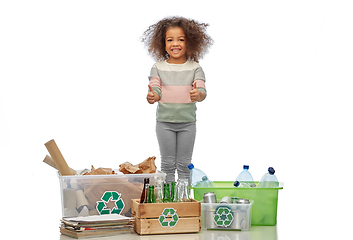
(110, 196)
(173, 218)
(223, 216)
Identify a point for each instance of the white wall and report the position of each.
(279, 81)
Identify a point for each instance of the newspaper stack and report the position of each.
(96, 226)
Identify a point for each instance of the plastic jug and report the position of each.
(245, 177)
(269, 179)
(199, 178)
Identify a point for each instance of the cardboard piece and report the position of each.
(147, 166)
(58, 158)
(48, 160)
(100, 171)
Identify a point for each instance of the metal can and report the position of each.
(243, 201)
(239, 221)
(209, 197)
(225, 200)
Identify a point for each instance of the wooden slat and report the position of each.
(152, 226)
(154, 210)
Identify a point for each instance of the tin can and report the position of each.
(225, 200)
(239, 221)
(209, 197)
(240, 202)
(243, 201)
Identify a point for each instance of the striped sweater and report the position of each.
(173, 83)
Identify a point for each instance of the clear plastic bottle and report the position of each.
(245, 177)
(269, 179)
(199, 178)
(241, 184)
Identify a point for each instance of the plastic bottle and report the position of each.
(245, 177)
(241, 184)
(199, 178)
(269, 180)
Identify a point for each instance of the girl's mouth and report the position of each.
(176, 50)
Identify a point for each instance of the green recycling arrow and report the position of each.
(110, 196)
(172, 221)
(223, 216)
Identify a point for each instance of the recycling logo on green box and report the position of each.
(169, 218)
(110, 196)
(223, 216)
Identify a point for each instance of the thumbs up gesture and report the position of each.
(152, 97)
(194, 93)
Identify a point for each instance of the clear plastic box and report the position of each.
(264, 210)
(231, 216)
(85, 195)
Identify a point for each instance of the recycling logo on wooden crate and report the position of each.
(169, 218)
(114, 197)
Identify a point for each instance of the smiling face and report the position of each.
(175, 45)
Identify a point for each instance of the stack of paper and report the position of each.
(96, 226)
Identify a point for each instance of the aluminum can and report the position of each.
(226, 200)
(209, 197)
(243, 201)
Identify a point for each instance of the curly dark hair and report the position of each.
(197, 40)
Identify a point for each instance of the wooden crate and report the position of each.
(159, 218)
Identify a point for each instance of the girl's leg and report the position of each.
(185, 146)
(166, 137)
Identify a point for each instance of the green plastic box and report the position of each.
(264, 209)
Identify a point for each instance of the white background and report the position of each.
(279, 82)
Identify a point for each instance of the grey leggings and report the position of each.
(176, 144)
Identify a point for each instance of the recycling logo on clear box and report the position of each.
(223, 216)
(110, 196)
(169, 218)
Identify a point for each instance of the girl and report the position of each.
(176, 82)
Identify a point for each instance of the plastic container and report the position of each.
(245, 176)
(269, 179)
(199, 178)
(83, 195)
(226, 216)
(264, 209)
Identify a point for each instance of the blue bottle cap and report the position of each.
(246, 167)
(236, 183)
(191, 166)
(271, 171)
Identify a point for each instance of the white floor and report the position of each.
(256, 232)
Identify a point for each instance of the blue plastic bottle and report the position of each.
(241, 184)
(245, 177)
(269, 180)
(199, 178)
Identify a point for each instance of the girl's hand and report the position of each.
(194, 93)
(152, 97)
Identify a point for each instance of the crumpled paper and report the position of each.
(147, 166)
(100, 171)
